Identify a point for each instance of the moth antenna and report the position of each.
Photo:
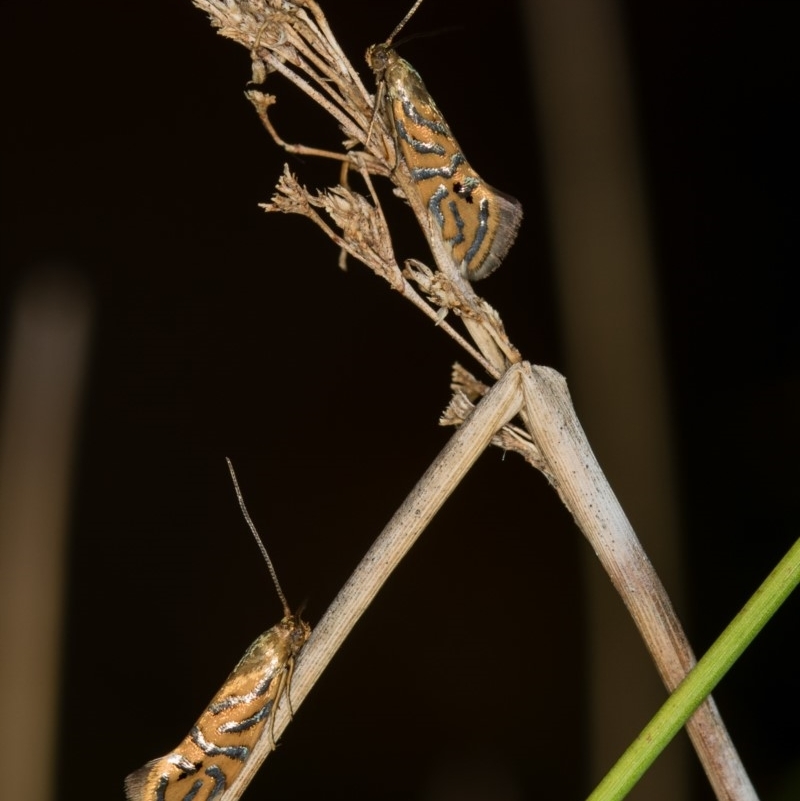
(403, 21)
(259, 542)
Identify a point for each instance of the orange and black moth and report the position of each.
(208, 760)
(211, 756)
(476, 222)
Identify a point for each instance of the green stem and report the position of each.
(693, 690)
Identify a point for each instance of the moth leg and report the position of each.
(288, 685)
(379, 95)
(284, 682)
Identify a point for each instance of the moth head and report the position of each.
(298, 631)
(378, 57)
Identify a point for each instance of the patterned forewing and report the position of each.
(477, 222)
(211, 756)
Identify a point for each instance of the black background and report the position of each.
(131, 156)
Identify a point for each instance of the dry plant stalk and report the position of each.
(293, 39)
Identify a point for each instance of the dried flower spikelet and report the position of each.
(363, 228)
(508, 438)
(260, 100)
(290, 197)
(437, 286)
(461, 380)
(457, 411)
(271, 34)
(354, 215)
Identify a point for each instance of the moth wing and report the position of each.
(136, 782)
(509, 212)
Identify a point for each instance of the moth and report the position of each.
(206, 762)
(477, 222)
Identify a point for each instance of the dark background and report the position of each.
(131, 156)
